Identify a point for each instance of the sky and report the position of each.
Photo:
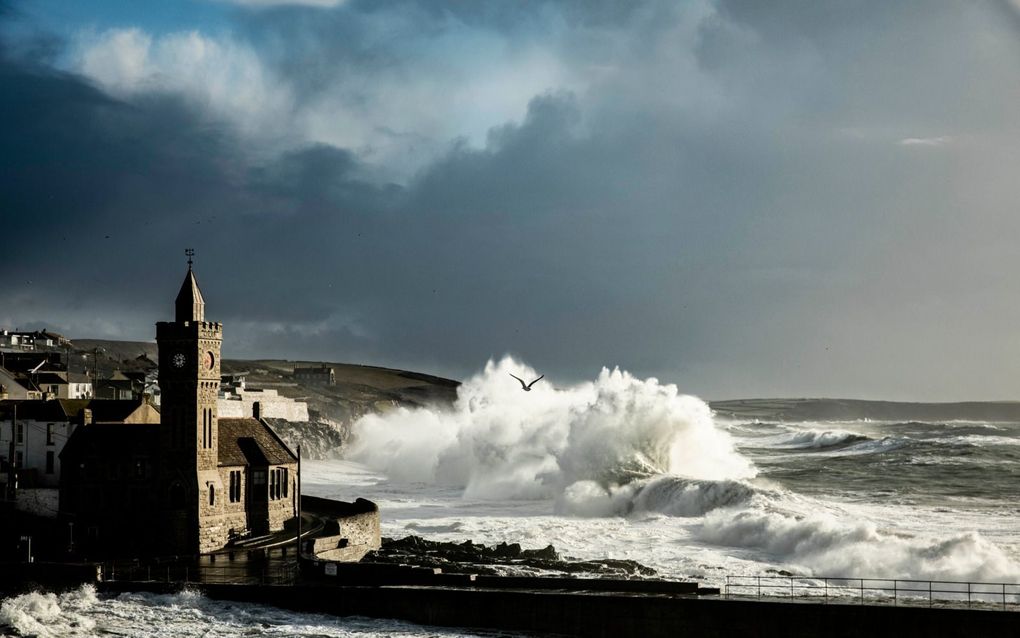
(746, 199)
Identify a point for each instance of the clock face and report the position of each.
(210, 360)
(179, 360)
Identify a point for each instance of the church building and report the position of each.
(191, 483)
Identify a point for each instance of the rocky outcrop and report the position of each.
(471, 558)
(318, 440)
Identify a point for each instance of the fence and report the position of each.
(224, 570)
(876, 591)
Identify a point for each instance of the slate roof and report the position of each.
(190, 305)
(66, 409)
(112, 440)
(50, 378)
(248, 441)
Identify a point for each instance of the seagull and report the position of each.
(524, 386)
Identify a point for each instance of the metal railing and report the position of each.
(876, 591)
(202, 572)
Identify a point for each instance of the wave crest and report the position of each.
(821, 439)
(670, 495)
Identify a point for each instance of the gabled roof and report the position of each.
(50, 378)
(103, 410)
(190, 305)
(112, 440)
(248, 441)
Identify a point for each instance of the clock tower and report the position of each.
(189, 381)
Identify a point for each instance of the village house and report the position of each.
(321, 375)
(17, 388)
(33, 434)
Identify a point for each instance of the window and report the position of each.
(49, 434)
(212, 495)
(49, 462)
(258, 477)
(281, 477)
(235, 487)
(272, 484)
(19, 458)
(286, 483)
(21, 433)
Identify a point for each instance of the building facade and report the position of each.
(40, 429)
(322, 375)
(194, 482)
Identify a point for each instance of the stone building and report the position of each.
(192, 483)
(322, 375)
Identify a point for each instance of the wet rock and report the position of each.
(505, 558)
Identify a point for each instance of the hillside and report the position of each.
(359, 389)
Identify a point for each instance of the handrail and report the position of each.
(877, 591)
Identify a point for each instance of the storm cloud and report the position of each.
(742, 198)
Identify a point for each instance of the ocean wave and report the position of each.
(497, 442)
(823, 545)
(875, 446)
(820, 439)
(669, 495)
(423, 528)
(48, 614)
(978, 440)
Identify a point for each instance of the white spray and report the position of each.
(580, 445)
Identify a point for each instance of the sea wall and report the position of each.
(352, 532)
(603, 614)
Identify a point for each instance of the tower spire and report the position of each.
(190, 305)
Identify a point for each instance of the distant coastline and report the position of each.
(860, 409)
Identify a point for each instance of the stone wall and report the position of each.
(354, 533)
(39, 501)
(223, 520)
(271, 405)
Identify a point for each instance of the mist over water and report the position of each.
(632, 468)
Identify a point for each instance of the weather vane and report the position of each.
(190, 252)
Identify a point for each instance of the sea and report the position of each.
(629, 468)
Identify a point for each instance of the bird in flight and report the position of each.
(526, 386)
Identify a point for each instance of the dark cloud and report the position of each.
(750, 201)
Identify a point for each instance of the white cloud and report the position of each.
(218, 74)
(398, 118)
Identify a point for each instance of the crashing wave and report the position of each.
(823, 545)
(499, 443)
(669, 495)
